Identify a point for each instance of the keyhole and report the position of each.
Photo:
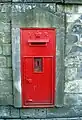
(38, 63)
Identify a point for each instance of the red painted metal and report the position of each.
(38, 66)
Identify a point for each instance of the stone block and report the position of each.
(14, 112)
(73, 1)
(73, 86)
(59, 67)
(78, 109)
(61, 118)
(62, 112)
(31, 12)
(27, 113)
(9, 61)
(57, 1)
(6, 49)
(4, 27)
(71, 8)
(39, 1)
(4, 37)
(3, 61)
(5, 7)
(74, 23)
(5, 17)
(46, 119)
(60, 8)
(79, 9)
(74, 118)
(4, 111)
(71, 38)
(5, 74)
(17, 0)
(70, 73)
(34, 1)
(73, 99)
(1, 37)
(5, 0)
(14, 119)
(5, 87)
(34, 119)
(6, 99)
(40, 113)
(0, 49)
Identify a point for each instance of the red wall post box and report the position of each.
(38, 66)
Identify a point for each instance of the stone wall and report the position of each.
(66, 16)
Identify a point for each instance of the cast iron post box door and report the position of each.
(38, 67)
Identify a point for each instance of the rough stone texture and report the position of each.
(6, 87)
(60, 8)
(65, 112)
(39, 1)
(75, 118)
(73, 60)
(74, 1)
(58, 1)
(16, 67)
(6, 49)
(4, 37)
(72, 9)
(14, 119)
(5, 17)
(44, 15)
(59, 67)
(69, 8)
(41, 113)
(73, 86)
(9, 63)
(5, 0)
(0, 49)
(27, 113)
(5, 74)
(46, 119)
(2, 61)
(28, 1)
(30, 11)
(6, 99)
(14, 112)
(5, 8)
(5, 27)
(17, 0)
(73, 99)
(4, 111)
